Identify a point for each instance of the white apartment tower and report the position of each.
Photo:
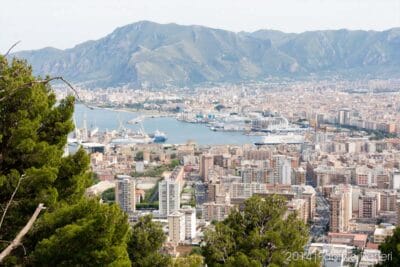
(190, 221)
(395, 179)
(168, 196)
(176, 227)
(282, 170)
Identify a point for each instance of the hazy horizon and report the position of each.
(64, 24)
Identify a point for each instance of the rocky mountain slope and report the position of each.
(151, 54)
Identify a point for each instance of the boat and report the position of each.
(132, 138)
(159, 137)
(272, 139)
(127, 137)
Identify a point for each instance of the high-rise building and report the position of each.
(307, 193)
(246, 190)
(382, 180)
(282, 170)
(367, 206)
(213, 190)
(388, 200)
(341, 208)
(176, 227)
(259, 154)
(396, 179)
(336, 220)
(347, 191)
(299, 207)
(206, 163)
(254, 174)
(363, 176)
(299, 176)
(125, 189)
(216, 211)
(343, 116)
(398, 212)
(190, 221)
(168, 196)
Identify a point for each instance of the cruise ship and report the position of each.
(128, 137)
(281, 139)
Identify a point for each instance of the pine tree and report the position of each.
(83, 234)
(73, 230)
(260, 235)
(147, 238)
(390, 250)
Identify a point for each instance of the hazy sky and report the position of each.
(65, 23)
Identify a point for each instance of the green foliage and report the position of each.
(151, 194)
(152, 205)
(196, 250)
(390, 250)
(139, 156)
(150, 199)
(85, 234)
(33, 131)
(152, 172)
(145, 243)
(192, 201)
(157, 171)
(194, 260)
(73, 177)
(73, 230)
(174, 163)
(95, 178)
(108, 195)
(258, 236)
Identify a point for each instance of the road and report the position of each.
(321, 222)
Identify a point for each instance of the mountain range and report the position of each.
(148, 54)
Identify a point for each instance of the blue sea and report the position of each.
(177, 132)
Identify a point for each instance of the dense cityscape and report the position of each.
(207, 133)
(329, 148)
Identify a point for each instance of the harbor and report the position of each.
(177, 132)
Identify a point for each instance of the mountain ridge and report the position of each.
(148, 54)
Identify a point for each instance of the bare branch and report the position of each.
(17, 241)
(11, 199)
(68, 84)
(45, 81)
(11, 48)
(22, 245)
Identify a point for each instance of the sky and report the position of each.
(65, 23)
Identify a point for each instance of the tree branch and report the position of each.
(11, 199)
(17, 241)
(8, 242)
(45, 81)
(68, 84)
(11, 48)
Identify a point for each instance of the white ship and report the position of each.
(281, 139)
(128, 137)
(132, 139)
